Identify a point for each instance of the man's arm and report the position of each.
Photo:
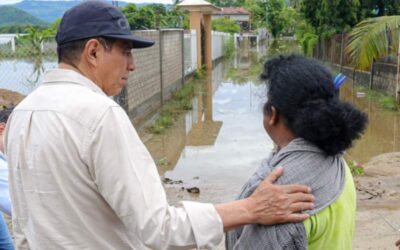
(269, 204)
(127, 179)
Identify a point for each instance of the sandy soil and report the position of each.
(8, 97)
(378, 213)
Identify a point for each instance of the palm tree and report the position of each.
(372, 39)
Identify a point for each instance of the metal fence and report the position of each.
(23, 61)
(380, 76)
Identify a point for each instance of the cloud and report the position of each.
(9, 1)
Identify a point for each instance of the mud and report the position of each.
(8, 97)
(378, 212)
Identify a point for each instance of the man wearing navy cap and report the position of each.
(80, 177)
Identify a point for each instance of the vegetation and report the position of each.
(225, 25)
(372, 39)
(306, 37)
(375, 8)
(29, 45)
(10, 16)
(154, 16)
(229, 47)
(383, 100)
(180, 102)
(355, 168)
(329, 17)
(275, 19)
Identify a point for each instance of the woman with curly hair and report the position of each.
(311, 128)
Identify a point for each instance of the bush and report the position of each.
(225, 25)
(229, 47)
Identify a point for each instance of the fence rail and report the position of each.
(160, 69)
(381, 75)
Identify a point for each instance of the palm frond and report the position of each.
(369, 40)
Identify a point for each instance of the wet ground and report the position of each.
(218, 145)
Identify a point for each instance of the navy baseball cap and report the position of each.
(97, 19)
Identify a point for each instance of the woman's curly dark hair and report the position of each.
(303, 92)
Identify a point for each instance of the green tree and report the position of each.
(258, 14)
(51, 31)
(160, 13)
(139, 18)
(375, 8)
(290, 18)
(275, 21)
(154, 16)
(176, 18)
(372, 39)
(225, 25)
(329, 17)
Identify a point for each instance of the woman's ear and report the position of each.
(274, 116)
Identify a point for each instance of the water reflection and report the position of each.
(284, 46)
(219, 144)
(204, 129)
(382, 134)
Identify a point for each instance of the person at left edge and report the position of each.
(5, 202)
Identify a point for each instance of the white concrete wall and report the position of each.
(190, 53)
(218, 41)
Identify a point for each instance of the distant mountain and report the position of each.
(49, 11)
(10, 15)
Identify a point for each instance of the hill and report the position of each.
(10, 16)
(47, 11)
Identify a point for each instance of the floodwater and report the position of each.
(221, 142)
(23, 76)
(383, 132)
(218, 152)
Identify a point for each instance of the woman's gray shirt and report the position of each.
(303, 163)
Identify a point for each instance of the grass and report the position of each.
(383, 100)
(180, 102)
(355, 168)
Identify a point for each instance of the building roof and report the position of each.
(198, 5)
(232, 11)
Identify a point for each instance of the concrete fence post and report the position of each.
(341, 52)
(371, 77)
(160, 40)
(398, 74)
(13, 44)
(183, 56)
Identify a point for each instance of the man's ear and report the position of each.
(2, 127)
(92, 51)
(274, 116)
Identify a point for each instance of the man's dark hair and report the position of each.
(302, 91)
(5, 113)
(70, 52)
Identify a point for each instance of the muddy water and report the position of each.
(220, 143)
(383, 131)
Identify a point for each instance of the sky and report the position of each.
(128, 1)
